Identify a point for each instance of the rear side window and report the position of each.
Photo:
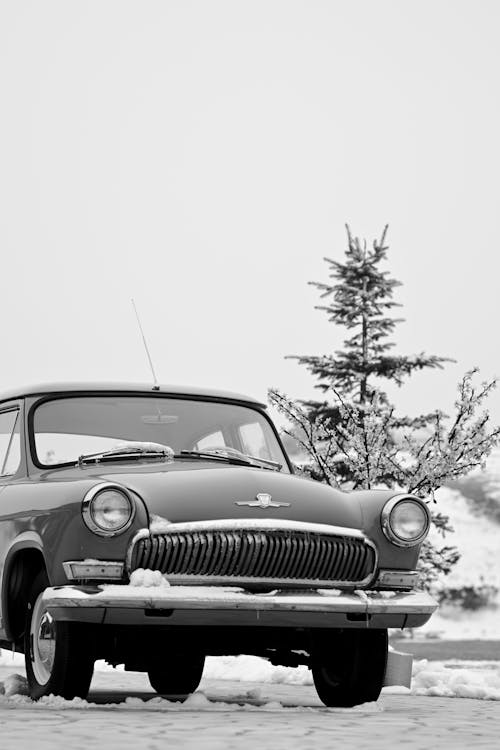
(10, 442)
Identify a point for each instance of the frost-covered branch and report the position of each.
(366, 445)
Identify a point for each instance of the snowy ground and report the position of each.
(451, 679)
(417, 723)
(244, 703)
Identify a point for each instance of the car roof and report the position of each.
(47, 389)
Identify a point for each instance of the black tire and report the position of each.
(349, 668)
(178, 676)
(62, 663)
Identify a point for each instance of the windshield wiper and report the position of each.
(157, 450)
(232, 455)
(132, 450)
(266, 462)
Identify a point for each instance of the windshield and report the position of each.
(66, 428)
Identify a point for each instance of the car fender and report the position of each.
(28, 540)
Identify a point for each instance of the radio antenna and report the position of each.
(156, 387)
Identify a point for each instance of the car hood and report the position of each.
(197, 490)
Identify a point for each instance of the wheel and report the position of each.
(349, 669)
(178, 676)
(58, 655)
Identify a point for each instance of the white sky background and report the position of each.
(204, 156)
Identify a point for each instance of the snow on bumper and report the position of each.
(204, 605)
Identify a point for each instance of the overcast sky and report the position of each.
(203, 156)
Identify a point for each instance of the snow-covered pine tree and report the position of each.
(355, 438)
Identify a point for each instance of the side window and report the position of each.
(214, 440)
(253, 440)
(10, 442)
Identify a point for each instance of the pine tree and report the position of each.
(359, 299)
(355, 439)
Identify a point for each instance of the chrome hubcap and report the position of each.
(42, 641)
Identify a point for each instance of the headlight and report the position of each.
(405, 520)
(108, 509)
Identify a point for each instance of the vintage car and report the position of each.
(153, 526)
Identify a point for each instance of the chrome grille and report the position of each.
(241, 556)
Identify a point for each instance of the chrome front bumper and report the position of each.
(224, 606)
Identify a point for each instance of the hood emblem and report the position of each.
(263, 500)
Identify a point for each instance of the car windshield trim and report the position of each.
(273, 456)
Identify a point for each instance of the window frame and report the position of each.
(35, 401)
(6, 407)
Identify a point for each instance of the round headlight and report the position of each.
(405, 521)
(108, 510)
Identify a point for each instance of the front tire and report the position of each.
(349, 669)
(58, 655)
(178, 676)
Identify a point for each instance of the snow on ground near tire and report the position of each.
(447, 679)
(457, 680)
(451, 680)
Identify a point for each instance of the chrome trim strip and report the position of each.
(385, 520)
(229, 524)
(87, 502)
(273, 583)
(263, 504)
